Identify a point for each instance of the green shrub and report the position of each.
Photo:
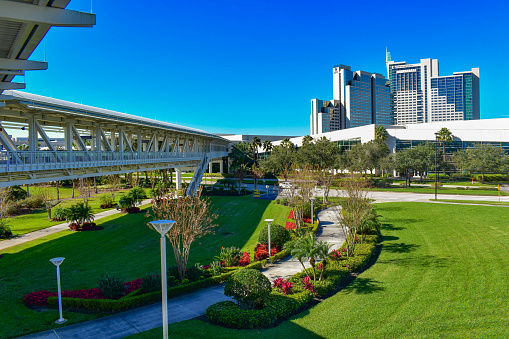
(307, 208)
(151, 283)
(440, 176)
(215, 268)
(277, 306)
(13, 207)
(106, 199)
(33, 201)
(5, 230)
(60, 213)
(230, 256)
(195, 273)
(16, 193)
(249, 287)
(439, 184)
(111, 287)
(278, 235)
(491, 177)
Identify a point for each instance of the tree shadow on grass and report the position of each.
(391, 227)
(399, 247)
(364, 286)
(419, 261)
(389, 238)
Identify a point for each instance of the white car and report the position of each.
(285, 184)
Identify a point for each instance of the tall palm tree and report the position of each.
(444, 135)
(255, 143)
(267, 145)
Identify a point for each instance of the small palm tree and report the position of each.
(323, 253)
(380, 133)
(267, 145)
(255, 143)
(306, 248)
(444, 135)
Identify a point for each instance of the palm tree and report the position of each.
(380, 133)
(267, 145)
(307, 140)
(306, 248)
(323, 253)
(444, 135)
(255, 143)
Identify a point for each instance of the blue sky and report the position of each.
(252, 66)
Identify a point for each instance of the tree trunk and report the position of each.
(28, 191)
(58, 190)
(73, 187)
(95, 185)
(482, 178)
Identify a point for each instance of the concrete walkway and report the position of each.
(181, 308)
(54, 229)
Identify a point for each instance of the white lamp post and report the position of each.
(269, 221)
(267, 189)
(312, 210)
(163, 226)
(57, 262)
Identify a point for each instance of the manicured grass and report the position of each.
(440, 191)
(65, 192)
(125, 247)
(442, 273)
(38, 219)
(501, 203)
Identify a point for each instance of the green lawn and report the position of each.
(442, 273)
(126, 247)
(38, 219)
(501, 203)
(430, 190)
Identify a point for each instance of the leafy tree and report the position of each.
(281, 158)
(481, 159)
(47, 195)
(240, 172)
(242, 153)
(380, 133)
(193, 220)
(423, 157)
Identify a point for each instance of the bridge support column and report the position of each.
(68, 136)
(221, 166)
(178, 180)
(210, 167)
(32, 134)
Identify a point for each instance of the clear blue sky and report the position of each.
(252, 66)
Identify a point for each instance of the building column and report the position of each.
(210, 167)
(32, 134)
(68, 136)
(178, 180)
(221, 166)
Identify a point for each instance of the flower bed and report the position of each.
(87, 226)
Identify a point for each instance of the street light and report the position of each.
(312, 210)
(57, 262)
(267, 189)
(163, 226)
(436, 174)
(269, 221)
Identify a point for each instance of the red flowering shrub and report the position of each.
(245, 259)
(285, 286)
(262, 251)
(206, 267)
(307, 284)
(40, 298)
(290, 216)
(290, 225)
(88, 226)
(307, 220)
(335, 254)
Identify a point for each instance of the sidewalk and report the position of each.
(181, 308)
(54, 229)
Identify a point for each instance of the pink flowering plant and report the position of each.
(284, 285)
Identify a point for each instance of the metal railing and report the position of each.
(22, 161)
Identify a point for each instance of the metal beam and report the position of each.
(46, 139)
(28, 65)
(12, 85)
(44, 15)
(5, 72)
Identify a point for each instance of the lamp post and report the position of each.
(163, 226)
(267, 190)
(312, 209)
(57, 262)
(436, 174)
(269, 221)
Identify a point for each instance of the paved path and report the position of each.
(53, 229)
(182, 308)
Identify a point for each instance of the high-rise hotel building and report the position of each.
(360, 98)
(419, 95)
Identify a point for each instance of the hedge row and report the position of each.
(229, 314)
(277, 306)
(135, 299)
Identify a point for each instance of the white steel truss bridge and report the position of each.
(65, 140)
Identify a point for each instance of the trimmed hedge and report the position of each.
(135, 299)
(277, 306)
